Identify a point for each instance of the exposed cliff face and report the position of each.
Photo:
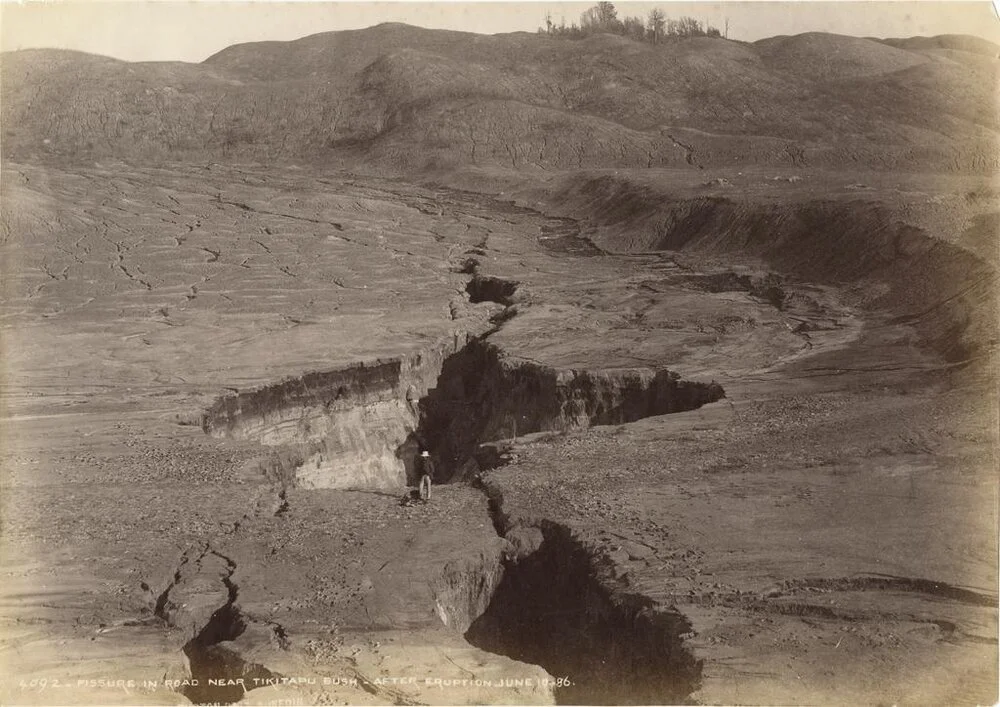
(282, 411)
(343, 428)
(887, 261)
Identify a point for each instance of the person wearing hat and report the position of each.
(426, 475)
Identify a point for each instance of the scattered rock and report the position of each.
(619, 556)
(636, 551)
(524, 541)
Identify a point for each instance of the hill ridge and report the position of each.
(410, 99)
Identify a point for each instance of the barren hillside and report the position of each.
(411, 99)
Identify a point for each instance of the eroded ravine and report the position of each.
(362, 427)
(554, 601)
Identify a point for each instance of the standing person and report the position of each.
(426, 475)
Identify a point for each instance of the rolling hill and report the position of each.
(411, 99)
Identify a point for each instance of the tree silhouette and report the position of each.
(603, 17)
(656, 24)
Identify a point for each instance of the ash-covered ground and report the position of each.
(715, 427)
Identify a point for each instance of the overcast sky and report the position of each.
(191, 31)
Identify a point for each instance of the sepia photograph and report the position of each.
(499, 353)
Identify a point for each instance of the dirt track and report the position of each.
(826, 532)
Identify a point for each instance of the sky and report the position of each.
(167, 30)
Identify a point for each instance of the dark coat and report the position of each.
(425, 466)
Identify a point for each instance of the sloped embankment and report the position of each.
(872, 249)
